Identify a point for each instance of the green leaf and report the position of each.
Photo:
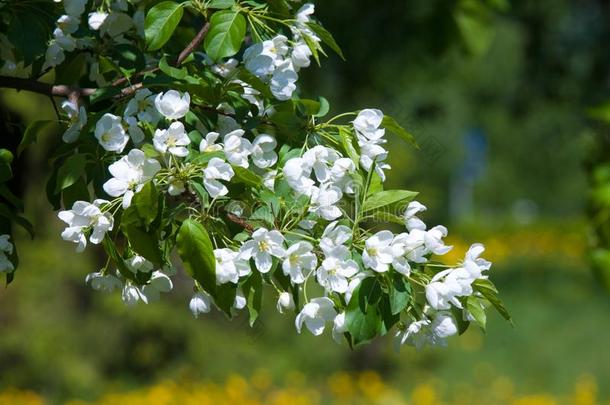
(70, 171)
(31, 134)
(197, 253)
(146, 203)
(247, 177)
(171, 71)
(29, 33)
(221, 4)
(391, 125)
(263, 214)
(227, 32)
(387, 198)
(399, 294)
(253, 291)
(144, 243)
(160, 23)
(490, 292)
(326, 37)
(476, 309)
(362, 316)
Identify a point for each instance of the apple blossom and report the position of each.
(84, 218)
(336, 269)
(172, 140)
(284, 302)
(110, 133)
(217, 170)
(201, 303)
(172, 105)
(262, 247)
(299, 258)
(315, 314)
(129, 175)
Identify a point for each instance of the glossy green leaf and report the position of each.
(391, 125)
(160, 23)
(227, 32)
(70, 171)
(326, 37)
(144, 243)
(399, 294)
(387, 198)
(490, 292)
(246, 177)
(197, 253)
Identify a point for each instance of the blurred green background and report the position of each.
(496, 94)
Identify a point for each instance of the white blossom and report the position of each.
(299, 258)
(132, 294)
(262, 247)
(367, 124)
(85, 217)
(237, 148)
(173, 140)
(263, 151)
(336, 269)
(67, 24)
(323, 200)
(103, 282)
(110, 133)
(159, 283)
(411, 220)
(283, 81)
(334, 235)
(138, 263)
(296, 172)
(378, 253)
(96, 19)
(201, 303)
(321, 159)
(77, 120)
(240, 300)
(208, 144)
(339, 327)
(217, 170)
(130, 173)
(285, 302)
(315, 314)
(172, 105)
(53, 56)
(142, 106)
(230, 266)
(135, 132)
(116, 24)
(424, 332)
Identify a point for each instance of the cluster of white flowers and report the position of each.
(113, 22)
(278, 60)
(312, 234)
(6, 248)
(86, 218)
(159, 282)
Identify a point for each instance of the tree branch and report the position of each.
(47, 89)
(74, 93)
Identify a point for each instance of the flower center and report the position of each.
(263, 246)
(294, 259)
(171, 141)
(372, 251)
(106, 137)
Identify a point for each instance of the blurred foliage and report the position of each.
(598, 165)
(525, 86)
